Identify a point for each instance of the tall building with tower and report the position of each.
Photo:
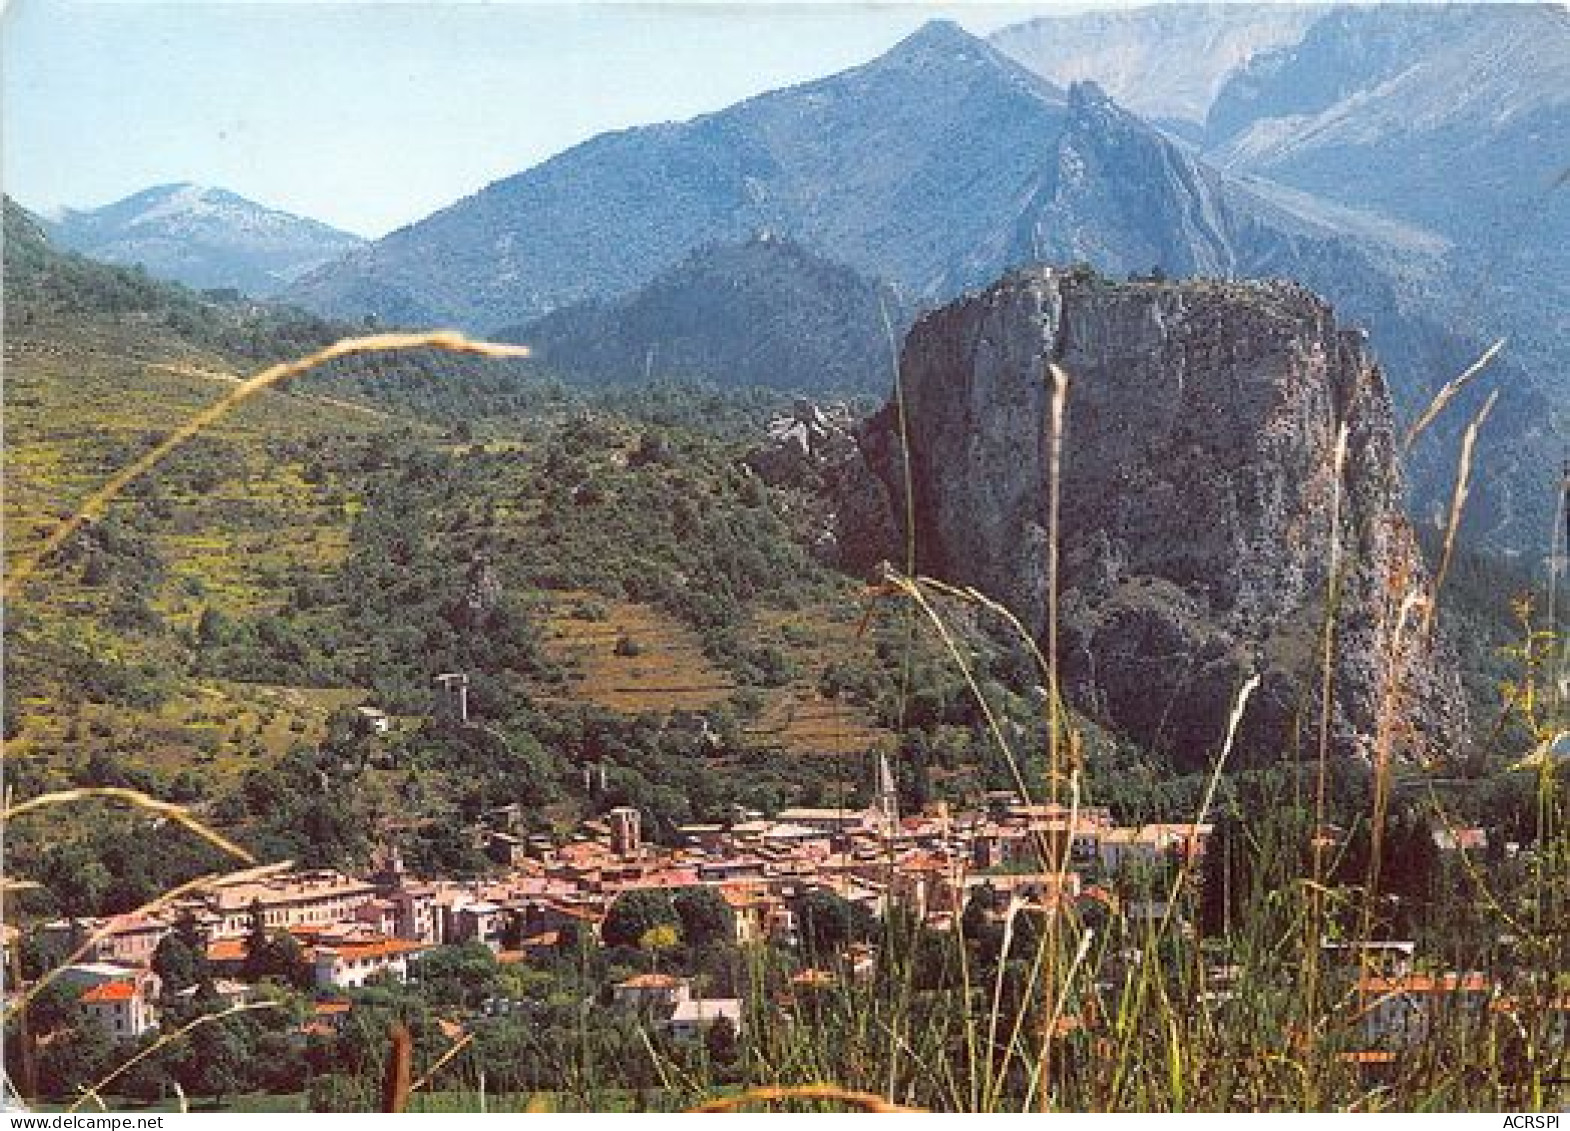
(885, 802)
(626, 831)
(455, 698)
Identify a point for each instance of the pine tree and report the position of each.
(255, 966)
(181, 958)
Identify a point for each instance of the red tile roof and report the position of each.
(109, 992)
(380, 948)
(1426, 984)
(745, 895)
(226, 950)
(582, 914)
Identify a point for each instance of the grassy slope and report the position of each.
(101, 362)
(226, 518)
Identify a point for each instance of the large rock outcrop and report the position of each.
(1198, 496)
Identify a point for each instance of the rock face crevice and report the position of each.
(1200, 503)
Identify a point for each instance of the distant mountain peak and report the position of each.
(765, 311)
(939, 44)
(174, 194)
(939, 35)
(187, 189)
(1163, 61)
(203, 236)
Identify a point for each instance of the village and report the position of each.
(1048, 859)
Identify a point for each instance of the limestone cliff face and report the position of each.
(1198, 495)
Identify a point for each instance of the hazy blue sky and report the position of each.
(372, 115)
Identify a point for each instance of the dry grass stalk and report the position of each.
(448, 340)
(1136, 1002)
(169, 1038)
(1328, 629)
(400, 1067)
(907, 662)
(995, 1085)
(1559, 559)
(1059, 406)
(1449, 393)
(915, 589)
(1384, 744)
(442, 1061)
(1185, 868)
(1011, 915)
(1059, 1006)
(1060, 385)
(866, 1101)
(1458, 499)
(1057, 776)
(179, 814)
(89, 1094)
(904, 440)
(912, 588)
(976, 597)
(1326, 688)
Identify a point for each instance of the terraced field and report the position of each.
(633, 659)
(798, 717)
(659, 667)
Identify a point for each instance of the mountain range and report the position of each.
(1454, 119)
(933, 167)
(945, 161)
(1451, 120)
(203, 237)
(1396, 160)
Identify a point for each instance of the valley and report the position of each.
(940, 607)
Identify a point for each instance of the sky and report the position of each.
(369, 115)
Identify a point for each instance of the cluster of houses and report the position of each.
(351, 930)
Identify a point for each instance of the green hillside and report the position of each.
(595, 563)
